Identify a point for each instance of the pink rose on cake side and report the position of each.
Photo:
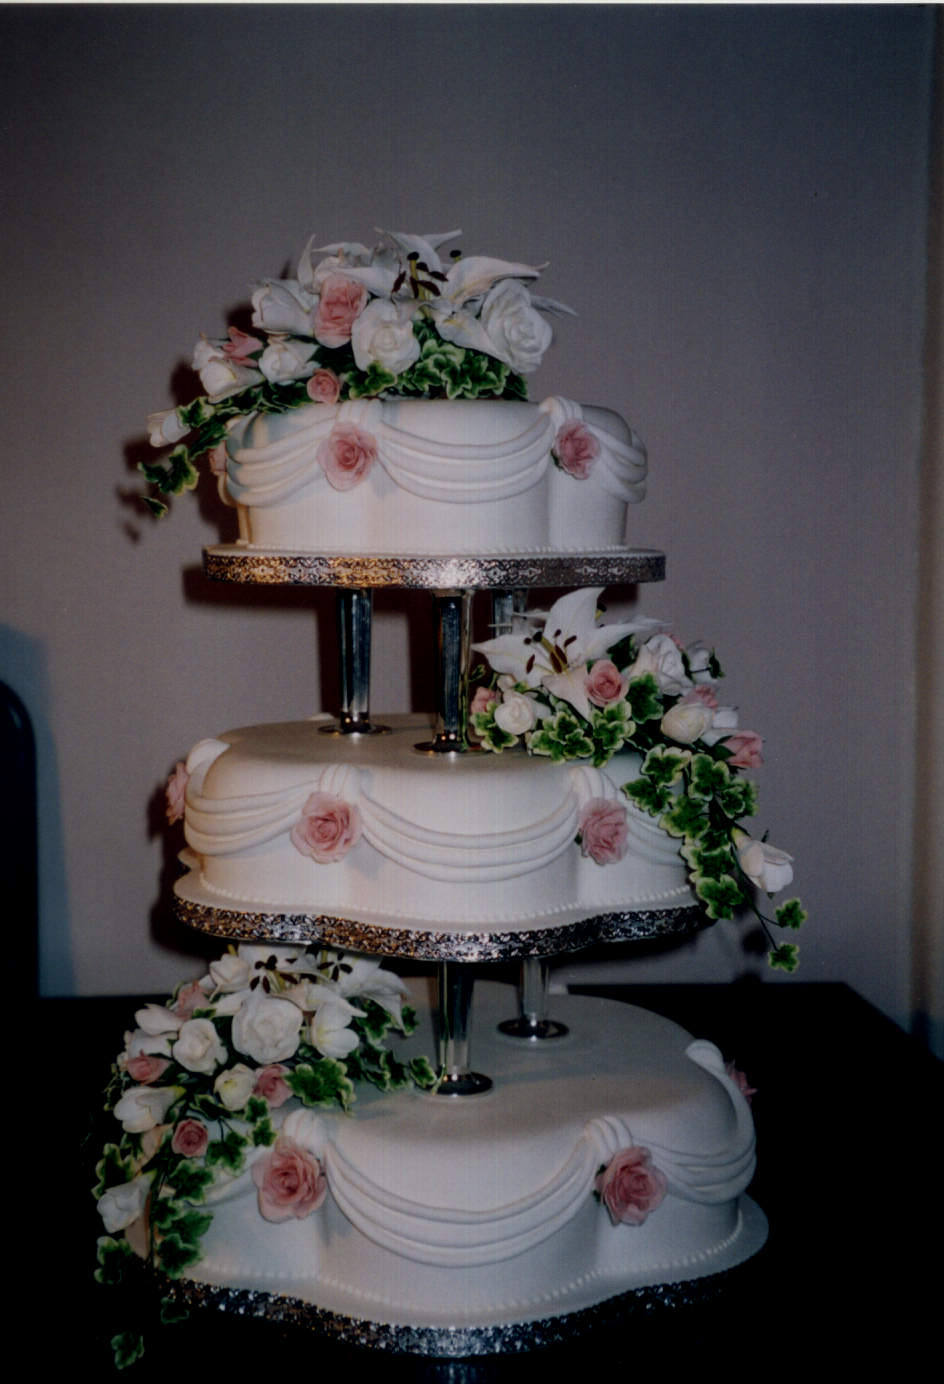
(603, 831)
(327, 828)
(323, 387)
(342, 302)
(290, 1180)
(745, 746)
(605, 683)
(176, 792)
(346, 456)
(576, 449)
(630, 1186)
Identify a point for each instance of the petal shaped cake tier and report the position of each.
(449, 1213)
(434, 476)
(283, 819)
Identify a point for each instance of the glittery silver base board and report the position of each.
(429, 945)
(501, 571)
(452, 1342)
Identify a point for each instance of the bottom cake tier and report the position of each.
(603, 1163)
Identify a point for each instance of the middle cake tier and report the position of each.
(283, 821)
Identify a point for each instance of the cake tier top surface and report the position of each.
(284, 822)
(434, 477)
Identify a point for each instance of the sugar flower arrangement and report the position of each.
(398, 319)
(565, 686)
(198, 1080)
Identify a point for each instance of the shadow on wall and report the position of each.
(24, 669)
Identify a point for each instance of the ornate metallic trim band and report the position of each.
(232, 563)
(451, 1342)
(427, 945)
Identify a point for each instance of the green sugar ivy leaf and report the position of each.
(791, 914)
(707, 777)
(422, 1073)
(665, 765)
(722, 897)
(176, 1255)
(323, 1082)
(685, 818)
(114, 1256)
(708, 862)
(650, 797)
(126, 1347)
(561, 737)
(228, 1152)
(173, 1311)
(645, 702)
(112, 1170)
(189, 1180)
(738, 798)
(785, 957)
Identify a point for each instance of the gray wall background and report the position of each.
(734, 199)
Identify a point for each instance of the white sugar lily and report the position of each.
(556, 657)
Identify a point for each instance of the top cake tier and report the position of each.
(427, 477)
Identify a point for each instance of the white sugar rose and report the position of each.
(143, 1107)
(765, 866)
(121, 1206)
(285, 359)
(234, 1086)
(515, 714)
(282, 305)
(266, 1029)
(686, 722)
(518, 332)
(383, 335)
(198, 1047)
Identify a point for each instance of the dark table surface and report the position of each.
(849, 1113)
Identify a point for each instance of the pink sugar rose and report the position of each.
(327, 828)
(746, 747)
(190, 1138)
(146, 1068)
(323, 387)
(272, 1086)
(605, 683)
(576, 449)
(189, 998)
(630, 1186)
(176, 792)
(217, 459)
(484, 698)
(603, 831)
(346, 455)
(240, 346)
(704, 694)
(342, 301)
(740, 1081)
(290, 1180)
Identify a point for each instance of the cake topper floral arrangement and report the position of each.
(404, 318)
(570, 688)
(197, 1082)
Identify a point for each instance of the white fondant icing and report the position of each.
(464, 476)
(449, 840)
(477, 1211)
